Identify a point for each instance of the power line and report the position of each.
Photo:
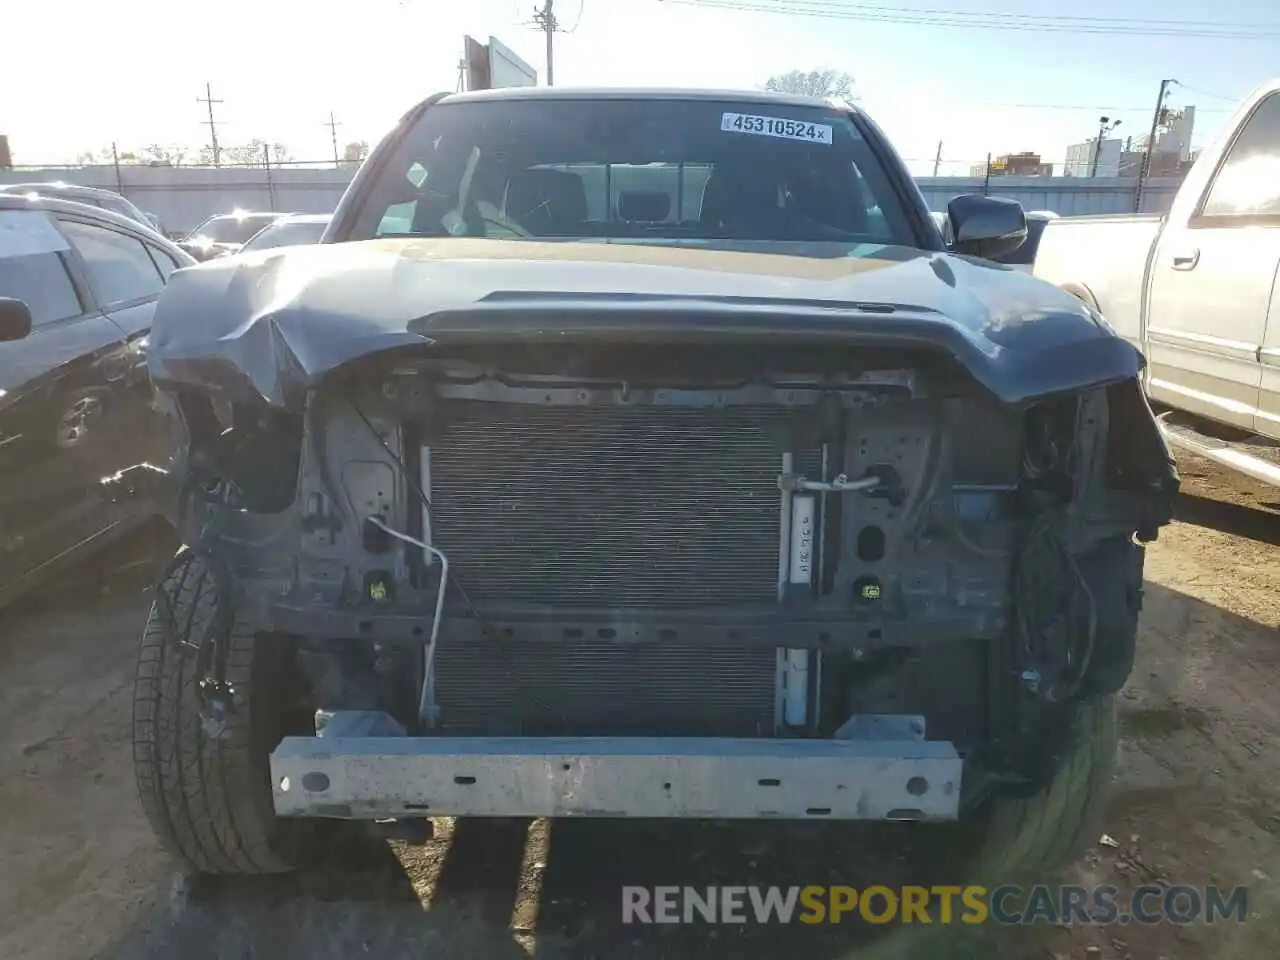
(578, 19)
(988, 21)
(1206, 93)
(995, 20)
(1079, 106)
(208, 101)
(1001, 15)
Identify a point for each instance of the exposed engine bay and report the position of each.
(729, 540)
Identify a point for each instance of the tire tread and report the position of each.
(208, 800)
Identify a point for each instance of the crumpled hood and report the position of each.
(270, 325)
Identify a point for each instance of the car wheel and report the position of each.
(206, 791)
(1029, 839)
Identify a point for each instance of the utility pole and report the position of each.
(333, 125)
(1103, 130)
(546, 21)
(1151, 145)
(937, 159)
(986, 180)
(115, 162)
(208, 101)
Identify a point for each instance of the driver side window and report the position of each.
(398, 220)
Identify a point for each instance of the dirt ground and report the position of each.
(1193, 803)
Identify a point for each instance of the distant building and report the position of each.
(1173, 135)
(1080, 159)
(1172, 157)
(1025, 164)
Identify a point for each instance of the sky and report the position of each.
(130, 71)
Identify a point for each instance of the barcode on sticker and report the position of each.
(776, 127)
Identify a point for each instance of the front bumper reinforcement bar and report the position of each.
(376, 778)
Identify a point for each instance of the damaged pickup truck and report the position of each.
(640, 454)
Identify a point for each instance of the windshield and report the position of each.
(286, 233)
(229, 228)
(642, 169)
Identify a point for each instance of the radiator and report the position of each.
(609, 507)
(594, 687)
(640, 508)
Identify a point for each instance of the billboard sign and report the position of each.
(508, 70)
(491, 65)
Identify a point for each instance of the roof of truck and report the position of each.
(638, 93)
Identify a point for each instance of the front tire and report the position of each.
(1029, 839)
(209, 799)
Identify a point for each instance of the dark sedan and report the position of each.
(225, 233)
(78, 288)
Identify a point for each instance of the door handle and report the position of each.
(1186, 260)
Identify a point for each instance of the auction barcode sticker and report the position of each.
(776, 127)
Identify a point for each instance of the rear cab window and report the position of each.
(33, 266)
(636, 169)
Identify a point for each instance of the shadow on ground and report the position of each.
(487, 897)
(1233, 518)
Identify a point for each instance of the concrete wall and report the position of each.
(183, 196)
(1068, 196)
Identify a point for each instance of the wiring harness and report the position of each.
(1056, 614)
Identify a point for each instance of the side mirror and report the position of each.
(986, 226)
(15, 319)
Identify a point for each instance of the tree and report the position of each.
(355, 152)
(105, 156)
(157, 153)
(251, 154)
(255, 153)
(815, 83)
(153, 153)
(89, 158)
